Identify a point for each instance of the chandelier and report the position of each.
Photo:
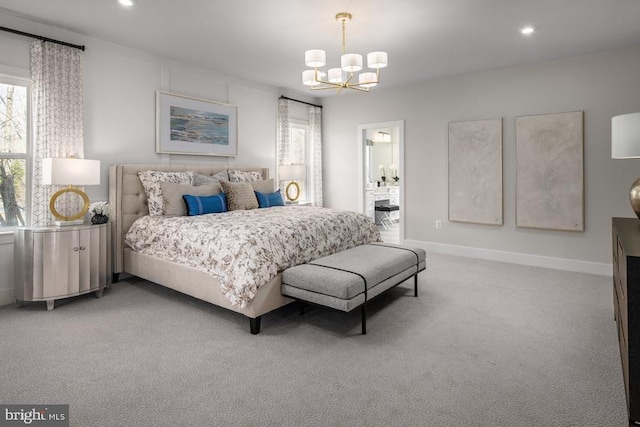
(350, 63)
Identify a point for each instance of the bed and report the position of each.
(130, 219)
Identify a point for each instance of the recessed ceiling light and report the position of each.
(126, 2)
(527, 30)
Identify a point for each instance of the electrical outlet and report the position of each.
(438, 223)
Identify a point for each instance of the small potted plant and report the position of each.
(394, 173)
(99, 212)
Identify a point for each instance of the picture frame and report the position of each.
(193, 126)
(475, 172)
(550, 171)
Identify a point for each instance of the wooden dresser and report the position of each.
(626, 304)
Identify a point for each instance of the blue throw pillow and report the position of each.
(199, 205)
(266, 200)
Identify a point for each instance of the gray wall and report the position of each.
(602, 85)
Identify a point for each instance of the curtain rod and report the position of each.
(44, 39)
(301, 102)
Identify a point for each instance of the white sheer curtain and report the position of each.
(314, 166)
(56, 72)
(315, 157)
(283, 143)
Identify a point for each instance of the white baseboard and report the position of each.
(601, 269)
(6, 297)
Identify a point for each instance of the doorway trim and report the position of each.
(362, 144)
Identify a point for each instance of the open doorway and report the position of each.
(381, 172)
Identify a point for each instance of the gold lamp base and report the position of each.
(634, 197)
(287, 191)
(66, 220)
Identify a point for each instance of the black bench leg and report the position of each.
(254, 324)
(415, 285)
(114, 277)
(363, 313)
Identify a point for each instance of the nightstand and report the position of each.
(51, 263)
(298, 204)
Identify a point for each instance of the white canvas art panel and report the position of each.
(549, 171)
(475, 171)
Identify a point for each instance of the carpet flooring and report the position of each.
(485, 344)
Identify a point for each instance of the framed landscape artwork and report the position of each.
(475, 171)
(549, 171)
(195, 126)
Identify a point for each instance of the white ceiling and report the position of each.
(264, 41)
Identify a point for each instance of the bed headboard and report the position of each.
(128, 200)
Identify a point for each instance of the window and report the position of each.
(14, 151)
(299, 142)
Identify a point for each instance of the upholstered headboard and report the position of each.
(129, 201)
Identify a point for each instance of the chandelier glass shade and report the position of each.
(350, 63)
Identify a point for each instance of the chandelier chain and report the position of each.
(344, 37)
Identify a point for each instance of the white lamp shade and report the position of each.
(625, 136)
(315, 58)
(368, 79)
(335, 75)
(377, 59)
(309, 78)
(70, 171)
(292, 172)
(351, 62)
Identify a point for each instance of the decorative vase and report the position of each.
(99, 219)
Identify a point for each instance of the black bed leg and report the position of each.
(415, 285)
(254, 323)
(114, 277)
(363, 313)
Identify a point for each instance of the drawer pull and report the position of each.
(75, 249)
(82, 248)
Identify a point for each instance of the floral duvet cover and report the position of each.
(245, 249)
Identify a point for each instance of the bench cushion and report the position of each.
(324, 282)
(387, 208)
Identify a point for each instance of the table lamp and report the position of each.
(70, 172)
(292, 173)
(625, 144)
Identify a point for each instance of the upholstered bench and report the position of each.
(349, 279)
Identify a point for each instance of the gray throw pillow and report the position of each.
(174, 204)
(264, 186)
(199, 179)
